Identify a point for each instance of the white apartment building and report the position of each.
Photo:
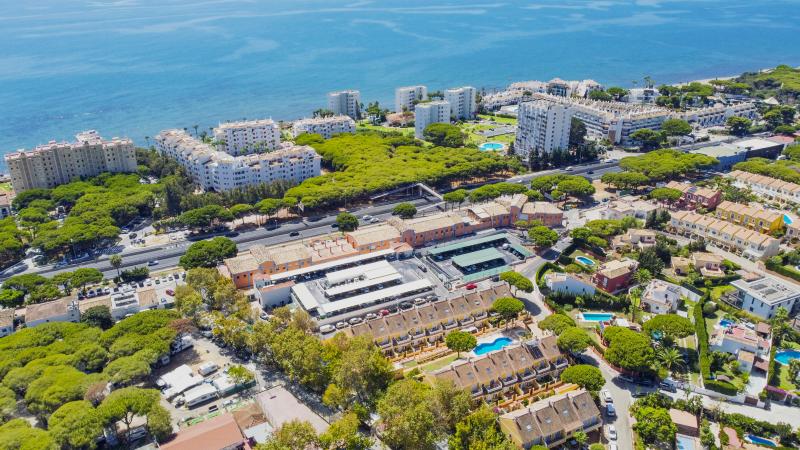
(497, 100)
(326, 127)
(55, 163)
(463, 102)
(406, 97)
(568, 283)
(219, 171)
(428, 113)
(661, 297)
(531, 86)
(543, 127)
(762, 295)
(347, 103)
(767, 187)
(642, 95)
(749, 243)
(717, 115)
(249, 136)
(614, 121)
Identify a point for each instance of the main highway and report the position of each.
(168, 255)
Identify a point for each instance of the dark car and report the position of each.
(294, 233)
(637, 393)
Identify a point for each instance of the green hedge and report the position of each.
(723, 387)
(542, 270)
(702, 338)
(783, 270)
(774, 378)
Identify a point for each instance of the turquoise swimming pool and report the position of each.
(596, 317)
(584, 260)
(491, 146)
(683, 442)
(787, 219)
(760, 440)
(496, 344)
(784, 356)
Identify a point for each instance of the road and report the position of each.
(168, 255)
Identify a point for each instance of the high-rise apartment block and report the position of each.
(428, 113)
(463, 102)
(326, 127)
(345, 102)
(55, 163)
(405, 98)
(543, 127)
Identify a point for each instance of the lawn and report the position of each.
(505, 120)
(718, 291)
(5, 187)
(408, 131)
(711, 321)
(786, 382)
(438, 363)
(471, 129)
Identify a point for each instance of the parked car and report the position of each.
(207, 368)
(612, 433)
(606, 396)
(371, 316)
(422, 268)
(326, 328)
(384, 312)
(471, 286)
(355, 320)
(406, 305)
(367, 218)
(610, 411)
(213, 408)
(264, 316)
(294, 233)
(419, 301)
(374, 220)
(170, 292)
(340, 325)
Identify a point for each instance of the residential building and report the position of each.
(130, 301)
(681, 266)
(708, 264)
(406, 98)
(6, 322)
(730, 153)
(55, 163)
(61, 310)
(646, 95)
(248, 136)
(347, 103)
(762, 295)
(552, 421)
(717, 115)
(463, 103)
(558, 87)
(543, 128)
(728, 236)
(615, 121)
(516, 367)
(327, 127)
(767, 187)
(568, 283)
(792, 227)
(629, 206)
(528, 86)
(367, 239)
(735, 338)
(5, 204)
(685, 421)
(548, 213)
(753, 217)
(614, 275)
(497, 100)
(661, 297)
(427, 324)
(428, 113)
(220, 171)
(634, 238)
(746, 360)
(218, 433)
(693, 197)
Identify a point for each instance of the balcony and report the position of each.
(402, 339)
(467, 320)
(450, 325)
(561, 363)
(493, 387)
(528, 374)
(476, 391)
(509, 380)
(435, 329)
(480, 316)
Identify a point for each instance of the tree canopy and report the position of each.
(671, 325)
(557, 323)
(542, 236)
(460, 341)
(585, 376)
(667, 164)
(347, 221)
(628, 349)
(208, 253)
(405, 210)
(517, 281)
(444, 134)
(574, 340)
(508, 307)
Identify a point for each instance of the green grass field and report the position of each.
(405, 131)
(505, 120)
(5, 187)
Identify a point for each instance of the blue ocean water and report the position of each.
(134, 67)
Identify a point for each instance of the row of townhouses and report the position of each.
(749, 243)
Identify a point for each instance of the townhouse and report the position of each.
(548, 213)
(749, 243)
(767, 187)
(693, 197)
(615, 275)
(755, 218)
(427, 324)
(552, 421)
(6, 322)
(61, 310)
(708, 264)
(717, 115)
(514, 368)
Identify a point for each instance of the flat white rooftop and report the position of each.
(368, 283)
(371, 270)
(277, 278)
(374, 297)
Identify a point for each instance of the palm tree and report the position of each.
(195, 129)
(634, 297)
(116, 262)
(642, 276)
(669, 358)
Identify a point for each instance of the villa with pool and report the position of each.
(508, 366)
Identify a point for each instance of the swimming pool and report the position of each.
(496, 344)
(584, 260)
(596, 317)
(784, 356)
(726, 323)
(787, 219)
(760, 440)
(491, 146)
(683, 442)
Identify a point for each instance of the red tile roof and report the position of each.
(218, 433)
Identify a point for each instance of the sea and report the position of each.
(135, 67)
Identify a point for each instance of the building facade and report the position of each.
(543, 127)
(346, 103)
(693, 197)
(614, 275)
(55, 163)
(428, 113)
(754, 218)
(762, 295)
(405, 98)
(463, 102)
(327, 127)
(728, 236)
(767, 187)
(220, 171)
(249, 136)
(717, 115)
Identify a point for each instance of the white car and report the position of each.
(326, 328)
(606, 396)
(612, 446)
(612, 433)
